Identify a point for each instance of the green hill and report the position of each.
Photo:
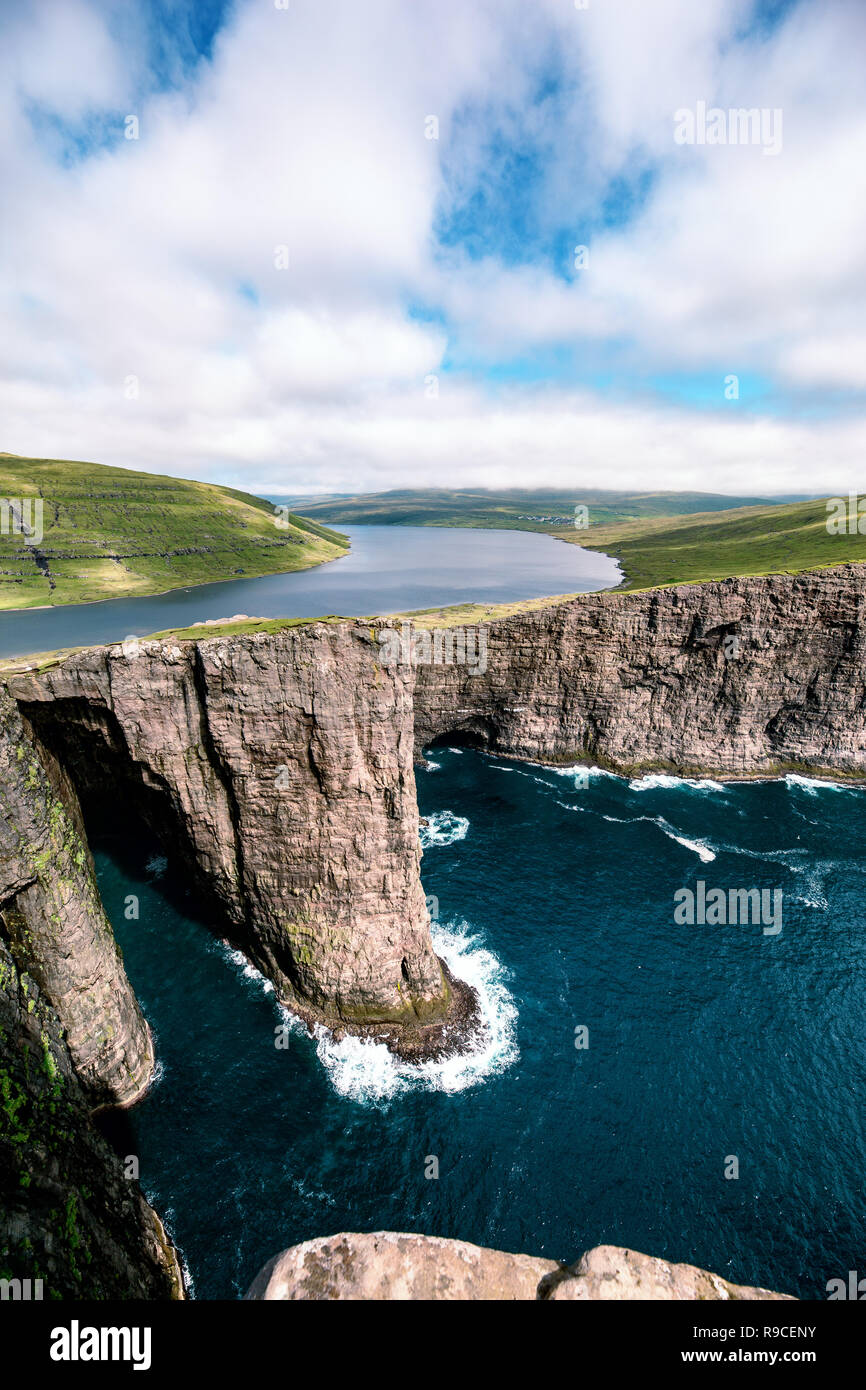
(780, 539)
(113, 533)
(524, 509)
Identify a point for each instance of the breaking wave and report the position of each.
(812, 785)
(653, 781)
(246, 968)
(704, 851)
(368, 1073)
(700, 847)
(579, 768)
(443, 828)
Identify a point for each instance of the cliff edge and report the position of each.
(279, 767)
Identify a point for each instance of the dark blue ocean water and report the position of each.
(389, 569)
(705, 1042)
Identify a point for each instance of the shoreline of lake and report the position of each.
(387, 570)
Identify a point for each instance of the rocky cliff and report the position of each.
(72, 1037)
(280, 767)
(388, 1265)
(744, 677)
(69, 1214)
(53, 921)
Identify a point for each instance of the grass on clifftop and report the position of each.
(115, 533)
(456, 615)
(783, 539)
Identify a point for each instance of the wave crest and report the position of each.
(652, 781)
(443, 828)
(369, 1074)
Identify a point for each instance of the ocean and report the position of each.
(691, 1089)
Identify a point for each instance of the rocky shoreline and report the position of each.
(461, 1031)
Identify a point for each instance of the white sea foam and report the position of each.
(307, 1191)
(772, 856)
(579, 768)
(430, 766)
(812, 785)
(577, 771)
(188, 1281)
(368, 1073)
(156, 866)
(700, 847)
(458, 751)
(246, 967)
(813, 894)
(653, 781)
(443, 828)
(650, 781)
(167, 1218)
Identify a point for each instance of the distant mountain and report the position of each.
(513, 508)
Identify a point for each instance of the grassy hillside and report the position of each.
(781, 539)
(112, 533)
(537, 509)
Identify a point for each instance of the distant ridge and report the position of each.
(511, 508)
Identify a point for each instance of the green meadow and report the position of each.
(781, 539)
(114, 533)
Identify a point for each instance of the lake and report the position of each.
(389, 569)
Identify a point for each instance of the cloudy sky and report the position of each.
(326, 245)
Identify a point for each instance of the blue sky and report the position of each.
(310, 294)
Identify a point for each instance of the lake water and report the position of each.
(706, 1044)
(389, 569)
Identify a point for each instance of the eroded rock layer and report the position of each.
(743, 677)
(280, 766)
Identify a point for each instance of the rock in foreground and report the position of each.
(387, 1265)
(610, 1272)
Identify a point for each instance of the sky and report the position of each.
(306, 246)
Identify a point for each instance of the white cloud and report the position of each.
(155, 257)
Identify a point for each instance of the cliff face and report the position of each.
(388, 1265)
(54, 924)
(72, 1037)
(742, 677)
(280, 766)
(68, 1214)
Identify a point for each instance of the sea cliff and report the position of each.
(277, 768)
(746, 677)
